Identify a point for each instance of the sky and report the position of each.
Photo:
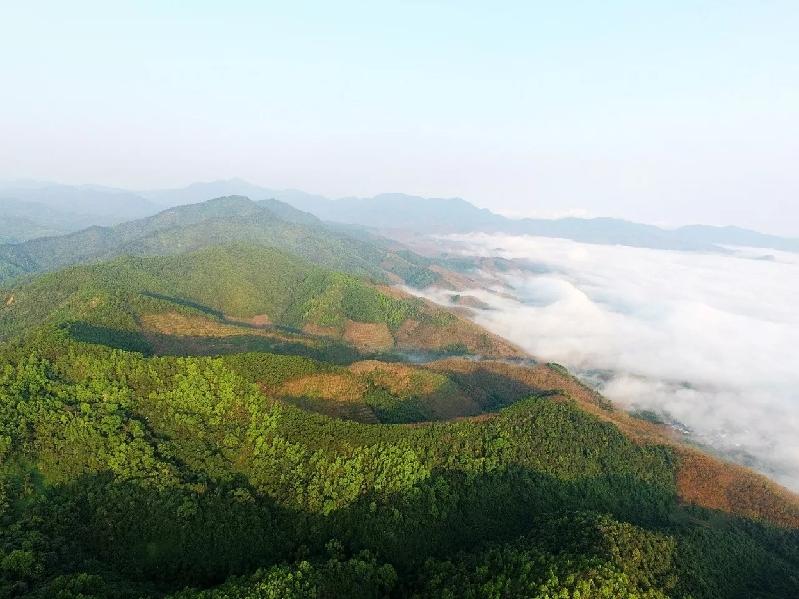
(661, 112)
(704, 340)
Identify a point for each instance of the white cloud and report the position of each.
(712, 340)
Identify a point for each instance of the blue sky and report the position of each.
(665, 112)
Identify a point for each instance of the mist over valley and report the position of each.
(704, 340)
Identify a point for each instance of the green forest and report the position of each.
(228, 220)
(208, 424)
(129, 476)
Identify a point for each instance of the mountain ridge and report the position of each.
(389, 211)
(221, 220)
(451, 215)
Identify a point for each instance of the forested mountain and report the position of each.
(396, 211)
(237, 422)
(212, 419)
(220, 221)
(78, 206)
(139, 299)
(21, 220)
(82, 204)
(202, 191)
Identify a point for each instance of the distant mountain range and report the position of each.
(30, 209)
(83, 205)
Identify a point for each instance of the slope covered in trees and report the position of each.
(208, 425)
(124, 475)
(221, 221)
(134, 302)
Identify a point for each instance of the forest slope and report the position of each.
(243, 285)
(125, 476)
(306, 456)
(221, 221)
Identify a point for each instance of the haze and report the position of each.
(668, 114)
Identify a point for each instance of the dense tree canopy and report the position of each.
(125, 475)
(206, 425)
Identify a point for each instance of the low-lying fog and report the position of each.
(709, 341)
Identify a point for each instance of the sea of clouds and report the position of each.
(710, 341)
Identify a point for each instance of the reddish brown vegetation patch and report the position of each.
(525, 380)
(438, 336)
(398, 379)
(168, 332)
(330, 386)
(174, 323)
(356, 411)
(367, 336)
(451, 279)
(259, 320)
(709, 482)
(320, 331)
(177, 324)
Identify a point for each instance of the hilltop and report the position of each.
(214, 222)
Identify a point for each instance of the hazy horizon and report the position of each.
(659, 114)
(514, 214)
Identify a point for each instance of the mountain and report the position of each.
(233, 288)
(202, 191)
(206, 425)
(389, 212)
(105, 205)
(219, 221)
(401, 212)
(20, 220)
(54, 209)
(736, 236)
(32, 209)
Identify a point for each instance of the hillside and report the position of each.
(215, 222)
(95, 203)
(84, 205)
(241, 291)
(128, 476)
(397, 211)
(238, 422)
(23, 220)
